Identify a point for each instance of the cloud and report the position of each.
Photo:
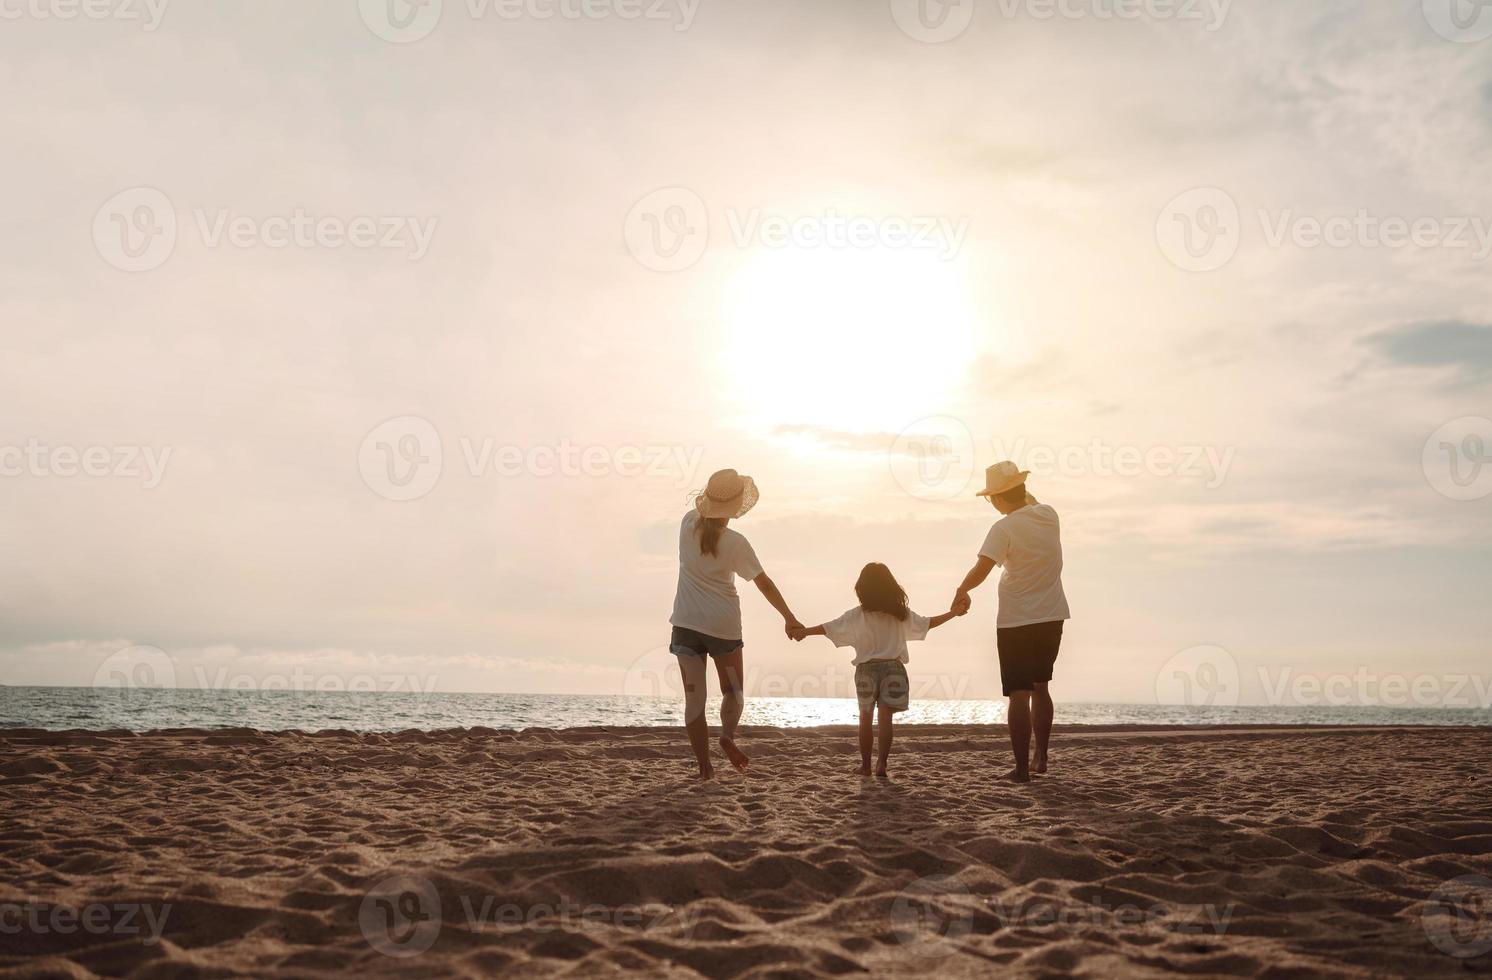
(854, 442)
(1463, 350)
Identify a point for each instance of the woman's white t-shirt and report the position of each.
(706, 601)
(876, 635)
(1027, 544)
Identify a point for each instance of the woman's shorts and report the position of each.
(882, 682)
(691, 643)
(1027, 654)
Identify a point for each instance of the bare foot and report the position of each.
(1016, 776)
(1038, 765)
(881, 772)
(707, 773)
(865, 768)
(736, 756)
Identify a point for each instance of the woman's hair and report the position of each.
(709, 534)
(878, 591)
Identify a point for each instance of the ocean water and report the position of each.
(60, 708)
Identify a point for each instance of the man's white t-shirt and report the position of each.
(706, 601)
(876, 635)
(1028, 546)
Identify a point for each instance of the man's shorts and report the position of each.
(882, 682)
(692, 643)
(1027, 654)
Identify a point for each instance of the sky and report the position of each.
(362, 343)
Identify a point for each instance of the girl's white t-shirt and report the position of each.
(876, 635)
(706, 600)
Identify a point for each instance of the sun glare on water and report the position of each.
(856, 339)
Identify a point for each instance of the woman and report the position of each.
(707, 611)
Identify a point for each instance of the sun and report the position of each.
(856, 339)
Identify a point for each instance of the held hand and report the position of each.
(797, 633)
(793, 629)
(961, 603)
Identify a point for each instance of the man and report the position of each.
(1027, 544)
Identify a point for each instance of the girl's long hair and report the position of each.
(710, 529)
(878, 591)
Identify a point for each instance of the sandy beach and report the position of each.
(1269, 853)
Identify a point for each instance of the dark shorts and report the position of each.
(690, 643)
(1027, 654)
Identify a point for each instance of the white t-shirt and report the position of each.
(706, 601)
(1028, 546)
(876, 635)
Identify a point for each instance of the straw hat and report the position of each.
(1004, 476)
(728, 494)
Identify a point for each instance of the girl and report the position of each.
(878, 629)
(707, 611)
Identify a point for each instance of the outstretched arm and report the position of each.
(770, 591)
(937, 621)
(973, 580)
